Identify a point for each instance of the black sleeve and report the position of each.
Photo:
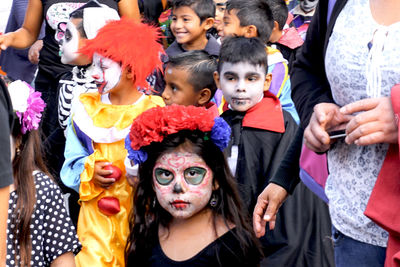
(287, 174)
(309, 83)
(6, 115)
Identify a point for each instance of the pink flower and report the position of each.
(28, 112)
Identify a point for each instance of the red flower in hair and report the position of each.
(156, 123)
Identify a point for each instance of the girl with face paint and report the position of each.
(187, 209)
(94, 164)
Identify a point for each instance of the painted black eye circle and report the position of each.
(195, 175)
(68, 35)
(163, 177)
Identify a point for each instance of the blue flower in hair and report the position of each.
(138, 156)
(220, 133)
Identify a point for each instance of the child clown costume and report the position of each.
(96, 133)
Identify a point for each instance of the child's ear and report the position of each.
(204, 97)
(250, 31)
(216, 78)
(128, 73)
(267, 83)
(276, 33)
(208, 23)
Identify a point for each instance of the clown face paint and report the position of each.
(105, 72)
(69, 44)
(183, 183)
(242, 84)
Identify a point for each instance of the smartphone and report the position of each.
(337, 134)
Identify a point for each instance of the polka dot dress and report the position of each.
(52, 231)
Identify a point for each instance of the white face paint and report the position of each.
(242, 84)
(105, 72)
(183, 183)
(69, 44)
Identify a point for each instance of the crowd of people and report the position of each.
(177, 133)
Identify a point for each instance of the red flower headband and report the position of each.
(155, 124)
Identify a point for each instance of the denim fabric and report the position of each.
(351, 253)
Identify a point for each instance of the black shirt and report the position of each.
(212, 47)
(51, 230)
(224, 251)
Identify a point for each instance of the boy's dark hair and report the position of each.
(200, 66)
(78, 14)
(204, 9)
(280, 12)
(253, 12)
(241, 49)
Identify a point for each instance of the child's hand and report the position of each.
(99, 175)
(375, 124)
(326, 116)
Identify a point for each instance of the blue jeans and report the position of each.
(353, 253)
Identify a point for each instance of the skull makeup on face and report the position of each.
(242, 84)
(69, 44)
(183, 183)
(105, 72)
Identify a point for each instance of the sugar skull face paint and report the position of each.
(69, 44)
(183, 183)
(105, 72)
(242, 84)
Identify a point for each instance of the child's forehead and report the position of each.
(220, 2)
(98, 57)
(170, 69)
(184, 11)
(75, 21)
(242, 67)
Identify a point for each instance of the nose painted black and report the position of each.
(178, 188)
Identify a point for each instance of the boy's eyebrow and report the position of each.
(252, 73)
(230, 73)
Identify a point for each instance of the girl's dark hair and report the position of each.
(24, 164)
(147, 213)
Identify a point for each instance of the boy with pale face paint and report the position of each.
(83, 24)
(261, 130)
(94, 153)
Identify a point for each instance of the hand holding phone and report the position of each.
(337, 134)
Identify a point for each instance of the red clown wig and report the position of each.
(133, 45)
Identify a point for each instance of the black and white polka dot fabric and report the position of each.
(52, 231)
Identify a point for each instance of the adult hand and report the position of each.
(99, 175)
(375, 124)
(268, 203)
(326, 116)
(6, 40)
(34, 51)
